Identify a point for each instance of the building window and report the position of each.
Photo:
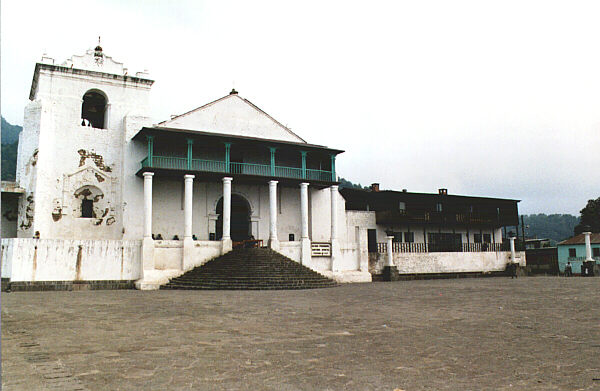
(572, 253)
(476, 238)
(438, 207)
(87, 208)
(93, 109)
(596, 252)
(90, 201)
(402, 207)
(487, 238)
(409, 237)
(397, 237)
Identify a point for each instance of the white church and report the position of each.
(103, 197)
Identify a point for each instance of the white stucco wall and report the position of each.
(233, 115)
(446, 262)
(70, 260)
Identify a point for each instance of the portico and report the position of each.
(267, 203)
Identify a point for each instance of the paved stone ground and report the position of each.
(463, 334)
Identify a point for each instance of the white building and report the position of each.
(104, 196)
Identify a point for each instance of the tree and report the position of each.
(590, 217)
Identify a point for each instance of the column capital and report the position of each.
(389, 237)
(189, 177)
(587, 233)
(334, 187)
(149, 137)
(272, 149)
(227, 144)
(273, 183)
(303, 153)
(304, 184)
(190, 141)
(148, 174)
(227, 179)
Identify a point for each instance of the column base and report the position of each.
(335, 255)
(390, 273)
(274, 244)
(227, 246)
(186, 262)
(147, 254)
(306, 252)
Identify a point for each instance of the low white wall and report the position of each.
(292, 250)
(70, 260)
(168, 254)
(445, 262)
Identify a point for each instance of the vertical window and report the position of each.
(477, 238)
(409, 237)
(487, 238)
(397, 237)
(87, 208)
(438, 207)
(572, 253)
(596, 252)
(402, 207)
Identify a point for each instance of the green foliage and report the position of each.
(590, 217)
(10, 133)
(556, 227)
(349, 185)
(10, 141)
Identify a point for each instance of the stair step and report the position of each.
(250, 269)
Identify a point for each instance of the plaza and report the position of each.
(455, 334)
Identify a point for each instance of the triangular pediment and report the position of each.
(233, 115)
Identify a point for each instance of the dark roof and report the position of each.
(173, 131)
(580, 239)
(358, 195)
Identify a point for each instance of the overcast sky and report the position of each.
(498, 99)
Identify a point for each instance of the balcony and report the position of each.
(432, 217)
(250, 169)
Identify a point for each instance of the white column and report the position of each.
(390, 255)
(188, 243)
(306, 246)
(148, 280)
(226, 239)
(273, 241)
(148, 204)
(335, 253)
(588, 247)
(227, 207)
(187, 205)
(513, 254)
(334, 199)
(304, 209)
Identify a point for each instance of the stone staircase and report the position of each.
(250, 269)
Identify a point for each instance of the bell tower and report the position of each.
(75, 145)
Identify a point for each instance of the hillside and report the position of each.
(10, 140)
(557, 227)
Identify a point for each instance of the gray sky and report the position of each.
(498, 99)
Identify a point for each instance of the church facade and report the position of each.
(102, 194)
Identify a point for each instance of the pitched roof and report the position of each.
(580, 239)
(174, 122)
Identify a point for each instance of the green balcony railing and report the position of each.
(179, 163)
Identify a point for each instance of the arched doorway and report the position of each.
(240, 218)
